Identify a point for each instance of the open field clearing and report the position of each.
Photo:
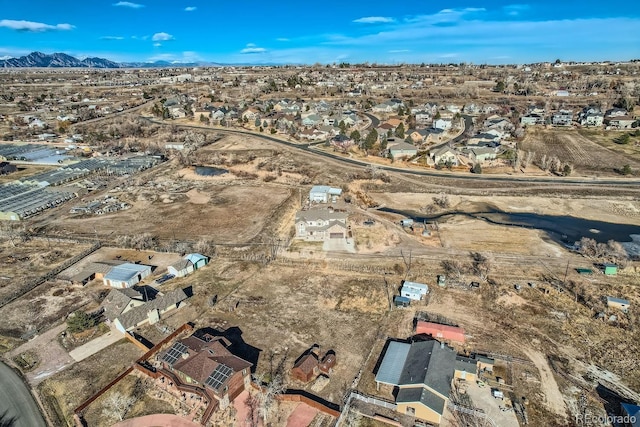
(607, 140)
(575, 148)
(22, 261)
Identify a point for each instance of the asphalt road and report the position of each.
(553, 181)
(17, 406)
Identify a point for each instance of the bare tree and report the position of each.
(267, 396)
(454, 268)
(117, 405)
(442, 201)
(15, 232)
(481, 265)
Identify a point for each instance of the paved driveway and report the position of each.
(339, 245)
(53, 358)
(95, 345)
(17, 407)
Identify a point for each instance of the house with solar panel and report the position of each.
(206, 366)
(421, 373)
(188, 264)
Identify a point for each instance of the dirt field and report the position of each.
(285, 310)
(576, 148)
(31, 259)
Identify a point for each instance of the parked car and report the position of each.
(165, 278)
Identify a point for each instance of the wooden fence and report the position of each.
(31, 285)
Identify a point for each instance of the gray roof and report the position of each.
(391, 367)
(429, 363)
(124, 272)
(117, 300)
(138, 314)
(321, 214)
(617, 300)
(422, 395)
(401, 145)
(466, 364)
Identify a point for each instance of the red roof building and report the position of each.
(436, 330)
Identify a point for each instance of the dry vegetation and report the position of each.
(578, 150)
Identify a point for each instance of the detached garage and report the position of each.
(126, 275)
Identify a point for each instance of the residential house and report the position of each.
(439, 331)
(151, 311)
(619, 303)
(591, 116)
(324, 194)
(390, 106)
(321, 224)
(617, 112)
(482, 154)
(313, 135)
(444, 155)
(532, 119)
(499, 123)
(466, 368)
(311, 120)
(444, 124)
(423, 117)
(305, 368)
(126, 275)
(419, 136)
(398, 149)
(422, 373)
(250, 114)
(562, 118)
(207, 366)
(188, 264)
(619, 122)
(342, 142)
(119, 301)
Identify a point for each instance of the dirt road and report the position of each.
(553, 397)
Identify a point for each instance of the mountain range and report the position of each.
(62, 60)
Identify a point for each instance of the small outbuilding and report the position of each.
(188, 264)
(413, 290)
(126, 275)
(400, 301)
(610, 269)
(619, 303)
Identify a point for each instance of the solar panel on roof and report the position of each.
(219, 376)
(175, 352)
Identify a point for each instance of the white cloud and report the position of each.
(129, 4)
(399, 51)
(282, 39)
(157, 44)
(36, 27)
(516, 9)
(252, 48)
(161, 37)
(374, 20)
(190, 8)
(111, 38)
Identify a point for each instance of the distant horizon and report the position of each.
(494, 32)
(364, 63)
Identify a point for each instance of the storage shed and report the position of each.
(126, 275)
(610, 269)
(401, 301)
(414, 290)
(619, 303)
(188, 264)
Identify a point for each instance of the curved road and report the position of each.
(559, 181)
(17, 406)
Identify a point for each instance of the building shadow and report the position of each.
(238, 345)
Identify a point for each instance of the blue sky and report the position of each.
(288, 31)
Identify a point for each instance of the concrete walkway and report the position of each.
(96, 345)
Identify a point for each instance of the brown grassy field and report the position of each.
(21, 261)
(579, 150)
